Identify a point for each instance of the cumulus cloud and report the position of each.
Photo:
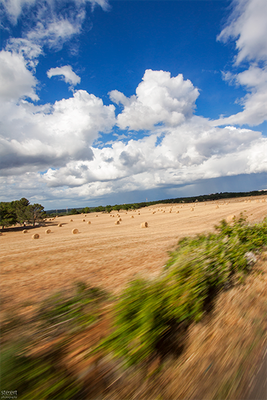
(68, 74)
(193, 151)
(159, 98)
(39, 137)
(248, 26)
(16, 80)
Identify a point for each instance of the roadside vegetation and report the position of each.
(86, 344)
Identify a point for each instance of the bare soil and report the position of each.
(102, 253)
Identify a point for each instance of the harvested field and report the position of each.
(103, 254)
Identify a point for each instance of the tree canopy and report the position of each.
(20, 211)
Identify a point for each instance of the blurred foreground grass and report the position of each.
(84, 345)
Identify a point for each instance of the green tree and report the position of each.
(7, 215)
(35, 213)
(21, 209)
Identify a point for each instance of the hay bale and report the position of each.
(117, 222)
(71, 220)
(119, 219)
(75, 231)
(83, 220)
(59, 225)
(144, 225)
(217, 207)
(48, 231)
(24, 231)
(230, 218)
(132, 216)
(35, 236)
(89, 222)
(96, 215)
(85, 215)
(192, 208)
(177, 212)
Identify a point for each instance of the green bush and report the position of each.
(150, 312)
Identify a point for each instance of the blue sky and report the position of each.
(122, 101)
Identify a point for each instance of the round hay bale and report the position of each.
(192, 208)
(144, 225)
(119, 219)
(85, 215)
(71, 220)
(96, 215)
(230, 218)
(59, 225)
(89, 222)
(35, 236)
(24, 231)
(75, 231)
(217, 207)
(83, 220)
(117, 222)
(177, 212)
(48, 231)
(132, 216)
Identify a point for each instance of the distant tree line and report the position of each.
(20, 212)
(135, 206)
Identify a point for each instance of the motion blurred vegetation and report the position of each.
(149, 319)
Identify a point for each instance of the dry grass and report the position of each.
(102, 255)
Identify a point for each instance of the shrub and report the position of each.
(149, 313)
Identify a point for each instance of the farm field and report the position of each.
(102, 253)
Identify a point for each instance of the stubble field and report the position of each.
(102, 253)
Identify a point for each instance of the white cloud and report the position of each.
(255, 102)
(248, 25)
(50, 23)
(159, 98)
(14, 8)
(193, 151)
(37, 138)
(16, 80)
(65, 71)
